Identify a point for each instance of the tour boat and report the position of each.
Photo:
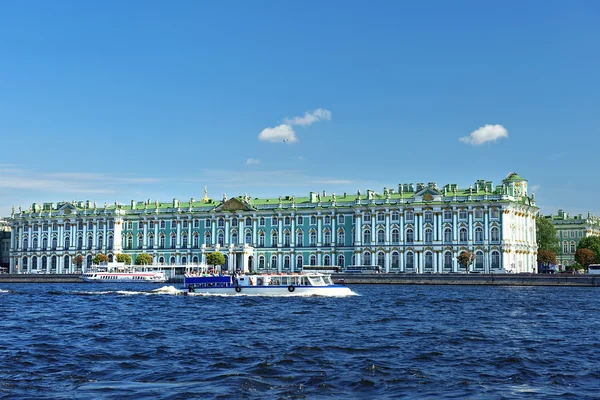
(266, 284)
(122, 273)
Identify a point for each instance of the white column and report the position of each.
(358, 230)
(293, 239)
(145, 241)
(387, 228)
(104, 234)
(190, 237)
(279, 237)
(227, 231)
(319, 232)
(213, 235)
(470, 228)
(387, 261)
(454, 226)
(156, 238)
(333, 233)
(486, 226)
(178, 233)
(255, 235)
(29, 239)
(401, 223)
(95, 238)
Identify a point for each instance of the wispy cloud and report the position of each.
(487, 133)
(309, 118)
(252, 161)
(284, 133)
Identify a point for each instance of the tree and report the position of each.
(546, 235)
(466, 258)
(575, 267)
(546, 257)
(216, 258)
(78, 260)
(592, 243)
(585, 257)
(124, 258)
(100, 258)
(143, 259)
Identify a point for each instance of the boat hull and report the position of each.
(333, 290)
(122, 279)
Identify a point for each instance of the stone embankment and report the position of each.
(40, 278)
(472, 279)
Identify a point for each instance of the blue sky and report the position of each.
(154, 100)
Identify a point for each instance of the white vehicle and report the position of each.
(594, 269)
(118, 272)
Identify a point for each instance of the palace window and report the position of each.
(221, 238)
(195, 241)
(234, 222)
(478, 235)
(79, 242)
(261, 239)
(221, 223)
(381, 259)
(286, 262)
(410, 235)
(161, 241)
(447, 235)
(286, 239)
(340, 260)
(35, 243)
(248, 221)
(173, 241)
(140, 242)
(327, 238)
(366, 236)
(395, 236)
(234, 238)
(299, 239)
(273, 262)
(395, 216)
(410, 215)
(299, 263)
(479, 260)
(207, 223)
(495, 234)
(313, 259)
(44, 243)
(151, 223)
(313, 238)
(410, 261)
(340, 219)
(300, 220)
(494, 213)
(261, 221)
(174, 224)
(447, 215)
(447, 260)
(462, 214)
(428, 261)
(380, 236)
(208, 238)
(163, 224)
(395, 260)
(367, 218)
(274, 239)
(495, 260)
(340, 240)
(428, 216)
(100, 241)
(327, 220)
(313, 220)
(90, 225)
(380, 217)
(90, 242)
(184, 241)
(287, 221)
(565, 247)
(326, 259)
(573, 247)
(428, 235)
(367, 258)
(248, 237)
(478, 213)
(462, 232)
(274, 221)
(185, 224)
(151, 241)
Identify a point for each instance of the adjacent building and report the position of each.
(571, 229)
(419, 228)
(4, 246)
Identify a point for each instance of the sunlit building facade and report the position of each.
(570, 230)
(414, 228)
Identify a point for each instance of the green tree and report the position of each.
(546, 235)
(124, 258)
(466, 258)
(585, 257)
(100, 258)
(592, 243)
(78, 261)
(216, 258)
(546, 257)
(143, 259)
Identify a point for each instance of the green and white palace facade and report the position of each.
(418, 228)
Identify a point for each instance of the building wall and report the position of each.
(4, 245)
(417, 228)
(570, 230)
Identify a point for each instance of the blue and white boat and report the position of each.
(266, 284)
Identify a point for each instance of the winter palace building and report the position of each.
(417, 228)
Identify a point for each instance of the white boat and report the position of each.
(118, 272)
(265, 284)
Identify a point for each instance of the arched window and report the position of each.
(248, 239)
(313, 259)
(410, 235)
(53, 263)
(410, 261)
(248, 221)
(340, 261)
(286, 221)
(366, 236)
(140, 241)
(428, 261)
(273, 239)
(161, 260)
(428, 215)
(234, 238)
(340, 240)
(90, 242)
(380, 236)
(129, 242)
(207, 238)
(44, 243)
(395, 260)
(327, 238)
(195, 260)
(221, 238)
(495, 234)
(381, 259)
(172, 261)
(299, 239)
(67, 242)
(447, 260)
(261, 262)
(447, 235)
(300, 220)
(88, 261)
(110, 242)
(150, 240)
(184, 241)
(428, 235)
(100, 241)
(221, 223)
(313, 220)
(45, 263)
(79, 242)
(54, 243)
(234, 222)
(286, 262)
(161, 241)
(173, 240)
(395, 236)
(462, 234)
(261, 221)
(261, 239)
(35, 243)
(573, 247)
(313, 238)
(184, 260)
(273, 262)
(479, 260)
(34, 262)
(478, 234)
(326, 259)
(367, 258)
(286, 238)
(495, 260)
(327, 220)
(195, 240)
(299, 262)
(67, 264)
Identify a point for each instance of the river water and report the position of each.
(120, 341)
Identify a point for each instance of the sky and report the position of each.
(119, 101)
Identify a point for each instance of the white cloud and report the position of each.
(310, 117)
(487, 133)
(281, 133)
(286, 134)
(301, 158)
(252, 161)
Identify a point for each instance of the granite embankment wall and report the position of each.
(40, 278)
(472, 279)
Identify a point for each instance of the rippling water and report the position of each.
(106, 341)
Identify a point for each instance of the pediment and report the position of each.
(67, 209)
(234, 204)
(428, 194)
